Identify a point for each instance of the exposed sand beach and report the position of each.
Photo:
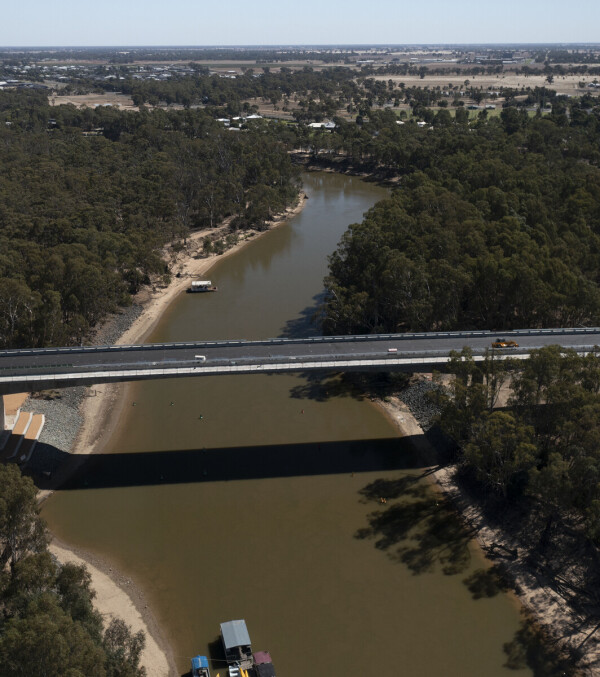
(112, 601)
(117, 596)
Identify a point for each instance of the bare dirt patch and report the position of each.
(567, 84)
(93, 100)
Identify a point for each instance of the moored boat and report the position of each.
(201, 286)
(241, 662)
(200, 666)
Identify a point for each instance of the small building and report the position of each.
(236, 643)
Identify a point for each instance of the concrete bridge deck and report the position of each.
(39, 369)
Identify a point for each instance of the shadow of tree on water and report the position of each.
(359, 386)
(420, 530)
(486, 583)
(533, 648)
(323, 387)
(307, 322)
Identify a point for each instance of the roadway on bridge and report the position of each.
(98, 358)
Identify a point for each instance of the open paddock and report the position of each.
(567, 84)
(92, 100)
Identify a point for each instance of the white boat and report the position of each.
(201, 286)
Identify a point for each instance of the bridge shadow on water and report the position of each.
(54, 469)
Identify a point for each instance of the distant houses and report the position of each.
(329, 126)
(239, 119)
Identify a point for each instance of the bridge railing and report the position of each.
(307, 340)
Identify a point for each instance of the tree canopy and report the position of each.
(89, 197)
(48, 625)
(494, 226)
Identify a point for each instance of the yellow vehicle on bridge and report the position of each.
(504, 343)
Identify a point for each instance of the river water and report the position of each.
(259, 497)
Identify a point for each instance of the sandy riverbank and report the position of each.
(563, 623)
(99, 412)
(115, 594)
(112, 601)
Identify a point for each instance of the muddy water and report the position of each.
(259, 497)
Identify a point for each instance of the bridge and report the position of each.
(40, 369)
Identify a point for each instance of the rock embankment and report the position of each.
(62, 408)
(418, 396)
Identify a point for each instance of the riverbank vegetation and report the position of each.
(532, 468)
(496, 225)
(90, 197)
(48, 624)
(542, 444)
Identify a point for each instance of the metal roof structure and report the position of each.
(199, 662)
(234, 634)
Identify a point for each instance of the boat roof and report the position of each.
(199, 662)
(262, 657)
(234, 634)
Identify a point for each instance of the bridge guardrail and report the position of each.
(308, 340)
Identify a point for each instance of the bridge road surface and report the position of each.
(39, 369)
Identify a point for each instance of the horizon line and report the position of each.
(305, 45)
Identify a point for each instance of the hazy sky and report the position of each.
(269, 22)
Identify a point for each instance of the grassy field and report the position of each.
(568, 84)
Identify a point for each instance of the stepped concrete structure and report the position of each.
(20, 430)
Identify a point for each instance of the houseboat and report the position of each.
(201, 286)
(241, 662)
(236, 644)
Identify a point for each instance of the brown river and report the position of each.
(258, 497)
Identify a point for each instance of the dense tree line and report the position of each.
(89, 197)
(232, 92)
(169, 54)
(544, 445)
(48, 625)
(567, 56)
(496, 225)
